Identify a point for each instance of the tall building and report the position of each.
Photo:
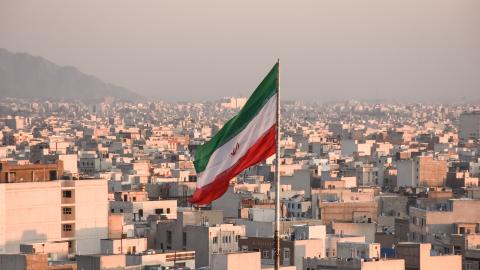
(469, 127)
(67, 211)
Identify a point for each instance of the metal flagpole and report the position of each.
(276, 237)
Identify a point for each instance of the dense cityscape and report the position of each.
(364, 185)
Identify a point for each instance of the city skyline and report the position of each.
(234, 135)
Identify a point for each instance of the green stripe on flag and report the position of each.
(255, 103)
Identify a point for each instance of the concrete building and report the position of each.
(297, 207)
(352, 264)
(349, 147)
(33, 262)
(418, 256)
(361, 229)
(422, 171)
(435, 225)
(332, 241)
(16, 173)
(299, 180)
(73, 211)
(15, 123)
(123, 245)
(367, 175)
(291, 251)
(161, 260)
(469, 127)
(207, 240)
(358, 250)
(236, 261)
(140, 210)
(356, 211)
(170, 233)
(56, 251)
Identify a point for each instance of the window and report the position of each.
(159, 211)
(67, 194)
(169, 237)
(265, 254)
(215, 239)
(237, 237)
(67, 210)
(286, 254)
(67, 227)
(168, 210)
(53, 175)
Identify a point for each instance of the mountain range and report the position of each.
(31, 77)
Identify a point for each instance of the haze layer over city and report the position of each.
(149, 135)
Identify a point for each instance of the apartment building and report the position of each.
(419, 256)
(421, 171)
(73, 211)
(16, 173)
(208, 240)
(469, 127)
(435, 225)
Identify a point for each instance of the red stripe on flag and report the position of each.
(263, 148)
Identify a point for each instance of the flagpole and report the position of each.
(276, 237)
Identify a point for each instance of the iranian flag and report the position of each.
(245, 140)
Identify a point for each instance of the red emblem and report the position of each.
(234, 151)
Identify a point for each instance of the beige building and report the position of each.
(73, 211)
(361, 211)
(352, 264)
(16, 173)
(358, 250)
(418, 256)
(236, 261)
(140, 261)
(332, 241)
(140, 210)
(33, 262)
(208, 240)
(434, 225)
(123, 245)
(423, 171)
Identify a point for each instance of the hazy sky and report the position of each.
(329, 50)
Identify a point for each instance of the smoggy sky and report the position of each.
(415, 50)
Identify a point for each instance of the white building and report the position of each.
(72, 211)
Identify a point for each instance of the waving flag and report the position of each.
(245, 140)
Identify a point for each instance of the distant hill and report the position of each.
(25, 76)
